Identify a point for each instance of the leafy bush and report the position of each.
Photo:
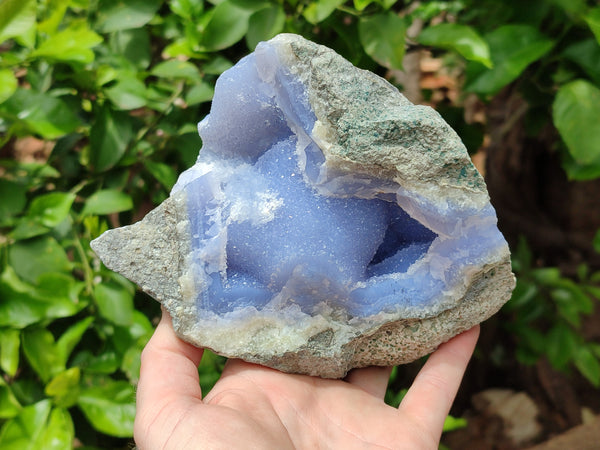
(99, 102)
(546, 312)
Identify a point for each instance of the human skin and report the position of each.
(255, 407)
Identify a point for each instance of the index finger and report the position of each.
(169, 367)
(429, 399)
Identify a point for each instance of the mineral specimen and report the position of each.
(328, 223)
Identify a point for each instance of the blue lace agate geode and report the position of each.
(327, 224)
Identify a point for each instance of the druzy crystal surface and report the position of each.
(327, 224)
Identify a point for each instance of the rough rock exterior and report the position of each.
(351, 138)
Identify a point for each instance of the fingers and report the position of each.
(373, 380)
(169, 367)
(429, 399)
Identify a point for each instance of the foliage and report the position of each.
(115, 90)
(546, 312)
(548, 51)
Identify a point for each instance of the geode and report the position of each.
(328, 223)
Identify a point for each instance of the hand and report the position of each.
(256, 407)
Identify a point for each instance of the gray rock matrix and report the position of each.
(364, 126)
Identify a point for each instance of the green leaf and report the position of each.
(228, 24)
(317, 11)
(360, 5)
(462, 39)
(35, 257)
(562, 343)
(177, 69)
(382, 36)
(131, 363)
(24, 432)
(164, 174)
(114, 15)
(576, 115)
(587, 55)
(23, 304)
(593, 20)
(199, 93)
(596, 241)
(133, 45)
(9, 350)
(187, 9)
(17, 19)
(71, 45)
(512, 48)
(40, 350)
(566, 305)
(587, 363)
(128, 93)
(51, 209)
(110, 136)
(107, 201)
(70, 338)
(9, 405)
(8, 84)
(114, 303)
(64, 388)
(60, 431)
(40, 113)
(13, 199)
(110, 407)
(265, 24)
(572, 7)
(454, 423)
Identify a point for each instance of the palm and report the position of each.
(256, 407)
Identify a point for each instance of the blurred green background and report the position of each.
(99, 102)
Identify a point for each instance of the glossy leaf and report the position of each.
(586, 54)
(133, 45)
(110, 136)
(8, 84)
(25, 431)
(114, 15)
(23, 304)
(114, 303)
(382, 37)
(51, 209)
(34, 257)
(107, 201)
(128, 93)
(9, 405)
(593, 20)
(265, 24)
(110, 407)
(9, 350)
(59, 433)
(319, 10)
(512, 49)
(163, 173)
(462, 39)
(72, 45)
(228, 24)
(561, 344)
(40, 113)
(177, 69)
(71, 337)
(588, 364)
(17, 19)
(13, 199)
(576, 113)
(64, 387)
(40, 350)
(199, 93)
